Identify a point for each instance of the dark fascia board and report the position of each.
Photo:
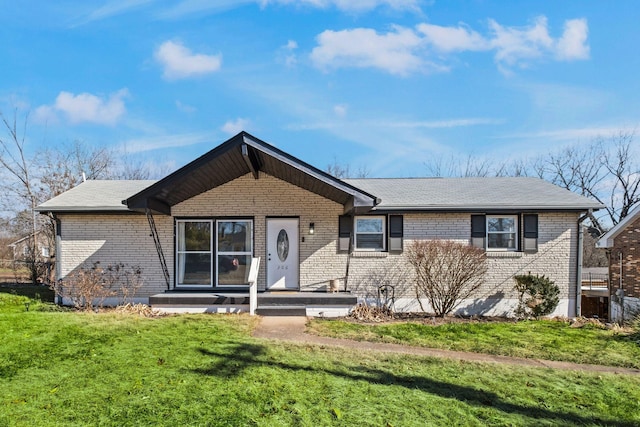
(138, 201)
(361, 198)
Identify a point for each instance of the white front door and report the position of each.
(283, 266)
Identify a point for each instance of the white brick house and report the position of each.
(246, 198)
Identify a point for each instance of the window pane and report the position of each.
(194, 236)
(194, 269)
(234, 236)
(501, 224)
(233, 270)
(369, 225)
(369, 241)
(502, 241)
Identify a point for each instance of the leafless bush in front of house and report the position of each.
(447, 272)
(90, 286)
(371, 313)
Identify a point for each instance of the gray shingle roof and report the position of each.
(522, 193)
(427, 194)
(95, 196)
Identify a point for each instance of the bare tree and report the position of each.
(19, 183)
(342, 170)
(472, 166)
(605, 170)
(447, 272)
(26, 180)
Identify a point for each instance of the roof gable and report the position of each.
(241, 155)
(606, 241)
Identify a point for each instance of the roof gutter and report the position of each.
(580, 249)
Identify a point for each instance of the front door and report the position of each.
(283, 266)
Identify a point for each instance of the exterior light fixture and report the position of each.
(312, 228)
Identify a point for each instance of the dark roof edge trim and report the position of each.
(309, 169)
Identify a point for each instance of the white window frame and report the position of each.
(229, 253)
(383, 218)
(515, 232)
(210, 252)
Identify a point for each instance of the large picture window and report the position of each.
(194, 253)
(370, 233)
(234, 251)
(502, 232)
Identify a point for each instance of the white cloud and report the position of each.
(573, 43)
(340, 110)
(233, 127)
(84, 107)
(185, 108)
(393, 52)
(514, 46)
(114, 8)
(288, 55)
(404, 50)
(439, 124)
(179, 62)
(351, 5)
(140, 145)
(452, 39)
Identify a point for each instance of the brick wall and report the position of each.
(272, 197)
(555, 258)
(112, 239)
(627, 244)
(125, 238)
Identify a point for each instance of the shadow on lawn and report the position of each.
(235, 358)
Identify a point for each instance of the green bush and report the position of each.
(537, 296)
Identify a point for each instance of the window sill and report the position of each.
(504, 254)
(369, 254)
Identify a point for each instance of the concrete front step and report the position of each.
(282, 310)
(317, 304)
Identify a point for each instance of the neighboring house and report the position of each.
(246, 198)
(623, 248)
(23, 248)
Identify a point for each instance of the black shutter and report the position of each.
(396, 226)
(530, 232)
(345, 227)
(478, 231)
(530, 226)
(396, 232)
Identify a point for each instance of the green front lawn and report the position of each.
(551, 340)
(67, 368)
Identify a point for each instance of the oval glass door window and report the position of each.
(283, 245)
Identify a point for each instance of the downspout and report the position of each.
(346, 275)
(621, 291)
(579, 263)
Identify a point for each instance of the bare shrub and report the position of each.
(142, 310)
(447, 272)
(90, 286)
(371, 313)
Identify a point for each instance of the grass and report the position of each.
(550, 340)
(117, 369)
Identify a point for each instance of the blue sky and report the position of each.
(388, 85)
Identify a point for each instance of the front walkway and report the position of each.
(292, 329)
